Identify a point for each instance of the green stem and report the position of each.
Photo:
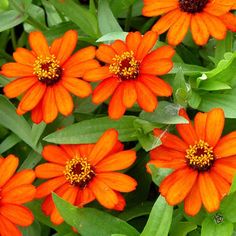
(30, 20)
(127, 21)
(137, 147)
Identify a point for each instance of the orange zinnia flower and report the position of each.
(15, 190)
(204, 164)
(203, 17)
(129, 74)
(80, 173)
(46, 75)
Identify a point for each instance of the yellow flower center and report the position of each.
(192, 6)
(79, 172)
(200, 156)
(47, 69)
(125, 66)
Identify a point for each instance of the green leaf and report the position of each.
(165, 113)
(159, 220)
(83, 218)
(31, 161)
(32, 230)
(233, 185)
(4, 4)
(10, 19)
(118, 7)
(228, 207)
(148, 141)
(9, 142)
(37, 131)
(112, 36)
(212, 85)
(183, 228)
(89, 131)
(195, 100)
(191, 70)
(139, 210)
(224, 100)
(79, 15)
(211, 228)
(20, 5)
(106, 21)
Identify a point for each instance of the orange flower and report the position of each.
(204, 164)
(129, 74)
(80, 173)
(203, 17)
(46, 75)
(15, 190)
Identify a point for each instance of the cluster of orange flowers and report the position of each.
(127, 71)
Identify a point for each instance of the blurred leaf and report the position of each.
(20, 5)
(119, 7)
(139, 210)
(89, 131)
(32, 230)
(79, 15)
(4, 5)
(37, 131)
(85, 105)
(113, 36)
(159, 220)
(211, 85)
(191, 70)
(228, 207)
(83, 218)
(211, 228)
(233, 185)
(31, 161)
(195, 100)
(106, 21)
(183, 228)
(10, 19)
(165, 113)
(225, 100)
(9, 142)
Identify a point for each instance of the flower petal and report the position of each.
(24, 56)
(200, 125)
(36, 113)
(97, 74)
(119, 46)
(49, 170)
(8, 228)
(84, 197)
(129, 94)
(13, 69)
(133, 40)
(229, 20)
(105, 53)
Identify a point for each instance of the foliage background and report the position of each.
(202, 78)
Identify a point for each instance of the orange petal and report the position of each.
(63, 100)
(49, 186)
(56, 44)
(24, 56)
(180, 189)
(32, 97)
(48, 205)
(209, 194)
(55, 154)
(158, 86)
(193, 201)
(173, 164)
(82, 55)
(49, 107)
(103, 146)
(118, 181)
(129, 94)
(155, 8)
(105, 89)
(171, 141)
(13, 69)
(36, 113)
(218, 8)
(116, 161)
(156, 67)
(214, 126)
(200, 125)
(199, 29)
(148, 41)
(98, 74)
(179, 29)
(85, 149)
(105, 53)
(49, 170)
(121, 202)
(119, 46)
(39, 44)
(76, 86)
(67, 46)
(84, 197)
(21, 178)
(146, 99)
(164, 52)
(221, 184)
(133, 40)
(229, 20)
(19, 86)
(19, 195)
(116, 107)
(104, 194)
(8, 168)
(187, 131)
(215, 26)
(8, 228)
(19, 215)
(71, 149)
(166, 21)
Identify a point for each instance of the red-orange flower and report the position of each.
(203, 17)
(129, 74)
(15, 190)
(204, 163)
(85, 172)
(46, 75)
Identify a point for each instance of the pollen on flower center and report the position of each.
(192, 6)
(200, 156)
(125, 66)
(47, 69)
(79, 172)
